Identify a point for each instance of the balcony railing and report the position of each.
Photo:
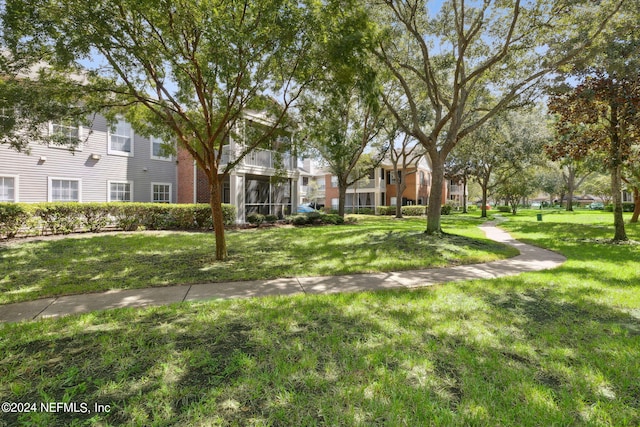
(260, 158)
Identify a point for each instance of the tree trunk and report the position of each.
(484, 199)
(618, 218)
(464, 193)
(342, 196)
(399, 191)
(636, 201)
(435, 197)
(616, 177)
(570, 188)
(215, 201)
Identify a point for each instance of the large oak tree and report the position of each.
(463, 64)
(186, 69)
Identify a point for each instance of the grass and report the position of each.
(559, 347)
(46, 268)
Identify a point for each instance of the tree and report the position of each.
(551, 181)
(31, 95)
(601, 114)
(185, 70)
(404, 157)
(501, 149)
(574, 172)
(599, 186)
(517, 188)
(341, 125)
(474, 60)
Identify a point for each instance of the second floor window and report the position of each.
(159, 149)
(121, 139)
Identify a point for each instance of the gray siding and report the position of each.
(141, 169)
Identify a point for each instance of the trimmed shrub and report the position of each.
(504, 208)
(65, 218)
(95, 216)
(608, 208)
(13, 217)
(445, 210)
(270, 218)
(255, 218)
(628, 206)
(412, 210)
(59, 217)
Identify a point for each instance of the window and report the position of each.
(65, 135)
(64, 190)
(334, 203)
(334, 181)
(121, 139)
(392, 177)
(8, 189)
(120, 191)
(159, 149)
(160, 193)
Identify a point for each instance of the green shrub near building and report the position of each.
(65, 218)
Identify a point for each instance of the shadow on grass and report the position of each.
(473, 355)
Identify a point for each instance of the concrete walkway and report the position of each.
(531, 258)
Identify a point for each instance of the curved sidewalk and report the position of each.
(531, 258)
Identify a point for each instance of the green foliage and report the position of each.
(13, 217)
(504, 208)
(255, 218)
(95, 216)
(413, 210)
(59, 218)
(65, 218)
(315, 218)
(446, 209)
(628, 206)
(270, 218)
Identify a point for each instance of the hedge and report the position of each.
(626, 207)
(65, 218)
(315, 218)
(410, 210)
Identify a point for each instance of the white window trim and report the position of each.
(78, 147)
(170, 191)
(50, 186)
(164, 159)
(16, 179)
(109, 182)
(118, 152)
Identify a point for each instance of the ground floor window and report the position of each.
(120, 191)
(161, 192)
(64, 190)
(8, 191)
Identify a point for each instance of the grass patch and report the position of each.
(45, 268)
(558, 347)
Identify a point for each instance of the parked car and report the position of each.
(596, 206)
(305, 209)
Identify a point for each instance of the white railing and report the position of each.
(259, 157)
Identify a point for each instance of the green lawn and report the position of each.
(559, 347)
(127, 261)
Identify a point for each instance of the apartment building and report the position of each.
(265, 181)
(112, 163)
(379, 188)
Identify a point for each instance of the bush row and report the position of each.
(315, 218)
(412, 210)
(626, 207)
(65, 218)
